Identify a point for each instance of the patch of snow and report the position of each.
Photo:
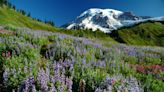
(107, 20)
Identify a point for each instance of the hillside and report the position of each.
(9, 17)
(12, 18)
(147, 33)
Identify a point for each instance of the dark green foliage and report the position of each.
(14, 7)
(3, 2)
(29, 15)
(50, 23)
(22, 12)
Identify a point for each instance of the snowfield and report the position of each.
(107, 20)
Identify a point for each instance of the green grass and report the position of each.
(9, 17)
(13, 19)
(148, 33)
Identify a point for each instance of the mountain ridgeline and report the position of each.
(147, 33)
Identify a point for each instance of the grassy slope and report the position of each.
(10, 17)
(149, 33)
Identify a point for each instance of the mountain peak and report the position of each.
(105, 12)
(105, 20)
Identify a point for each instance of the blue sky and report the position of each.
(63, 11)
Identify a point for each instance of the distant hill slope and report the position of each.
(148, 33)
(10, 17)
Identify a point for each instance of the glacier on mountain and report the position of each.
(107, 20)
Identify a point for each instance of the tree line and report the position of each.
(8, 4)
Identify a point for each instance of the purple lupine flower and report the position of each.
(52, 88)
(28, 83)
(34, 88)
(98, 90)
(56, 67)
(71, 68)
(69, 84)
(52, 79)
(43, 79)
(60, 88)
(83, 62)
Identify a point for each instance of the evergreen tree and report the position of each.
(50, 23)
(14, 7)
(29, 14)
(23, 12)
(39, 20)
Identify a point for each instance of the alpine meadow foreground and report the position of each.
(53, 62)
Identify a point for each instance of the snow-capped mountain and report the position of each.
(106, 20)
